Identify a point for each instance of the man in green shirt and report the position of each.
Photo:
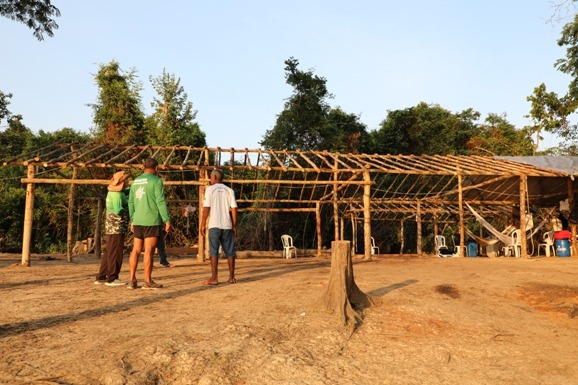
(148, 213)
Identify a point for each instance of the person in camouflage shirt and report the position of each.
(115, 228)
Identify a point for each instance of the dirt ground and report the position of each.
(438, 321)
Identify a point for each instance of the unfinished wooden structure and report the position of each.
(358, 187)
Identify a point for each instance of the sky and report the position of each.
(376, 55)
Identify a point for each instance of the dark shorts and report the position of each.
(224, 238)
(142, 232)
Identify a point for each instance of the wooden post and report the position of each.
(462, 248)
(98, 228)
(354, 234)
(402, 237)
(318, 228)
(335, 204)
(573, 241)
(419, 232)
(523, 191)
(367, 216)
(70, 216)
(342, 296)
(28, 216)
(201, 246)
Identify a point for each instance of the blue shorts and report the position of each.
(225, 238)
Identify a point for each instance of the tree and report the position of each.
(117, 114)
(425, 129)
(497, 136)
(36, 14)
(172, 122)
(4, 103)
(350, 134)
(303, 123)
(14, 139)
(548, 112)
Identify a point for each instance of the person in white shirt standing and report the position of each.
(220, 207)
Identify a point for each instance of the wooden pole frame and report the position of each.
(28, 217)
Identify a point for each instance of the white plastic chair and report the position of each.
(548, 244)
(515, 246)
(374, 248)
(442, 250)
(288, 247)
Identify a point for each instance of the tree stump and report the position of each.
(342, 296)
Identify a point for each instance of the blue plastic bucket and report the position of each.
(472, 248)
(562, 247)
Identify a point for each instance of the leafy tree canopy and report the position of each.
(172, 122)
(497, 136)
(117, 114)
(425, 129)
(303, 123)
(4, 102)
(38, 15)
(308, 122)
(15, 138)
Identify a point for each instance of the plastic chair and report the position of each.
(548, 244)
(288, 247)
(442, 250)
(374, 248)
(515, 246)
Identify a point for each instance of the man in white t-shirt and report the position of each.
(220, 207)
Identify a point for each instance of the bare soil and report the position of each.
(437, 321)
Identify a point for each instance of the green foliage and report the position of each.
(117, 115)
(11, 212)
(499, 137)
(425, 129)
(15, 138)
(308, 122)
(349, 133)
(549, 113)
(303, 123)
(36, 14)
(569, 65)
(4, 102)
(65, 135)
(172, 122)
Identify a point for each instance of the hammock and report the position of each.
(485, 242)
(504, 238)
(504, 235)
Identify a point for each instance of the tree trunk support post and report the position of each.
(28, 217)
(201, 247)
(70, 216)
(462, 248)
(523, 191)
(318, 228)
(419, 230)
(98, 228)
(367, 216)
